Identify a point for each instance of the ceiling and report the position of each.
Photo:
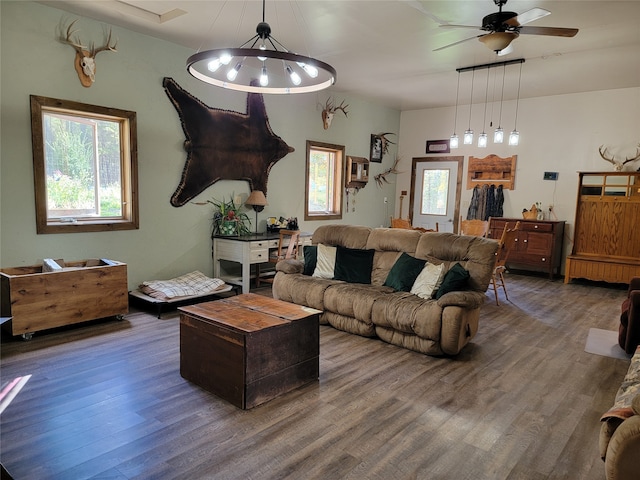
(383, 49)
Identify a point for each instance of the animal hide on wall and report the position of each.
(223, 144)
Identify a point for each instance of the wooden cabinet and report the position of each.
(606, 243)
(538, 246)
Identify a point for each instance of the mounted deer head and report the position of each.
(329, 110)
(617, 165)
(85, 63)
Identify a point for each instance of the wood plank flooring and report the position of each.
(523, 401)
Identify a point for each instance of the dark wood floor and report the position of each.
(106, 401)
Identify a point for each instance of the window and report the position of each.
(85, 166)
(323, 195)
(435, 190)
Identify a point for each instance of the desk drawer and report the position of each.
(259, 255)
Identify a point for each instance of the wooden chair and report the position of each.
(289, 239)
(475, 228)
(406, 224)
(506, 244)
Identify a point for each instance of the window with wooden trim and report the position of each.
(324, 173)
(85, 166)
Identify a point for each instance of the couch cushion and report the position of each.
(345, 235)
(404, 272)
(353, 265)
(310, 253)
(326, 261)
(301, 289)
(457, 278)
(353, 299)
(428, 281)
(408, 313)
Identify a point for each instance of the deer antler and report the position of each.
(111, 48)
(342, 107)
(385, 141)
(75, 43)
(330, 107)
(603, 154)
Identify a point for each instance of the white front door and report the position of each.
(435, 193)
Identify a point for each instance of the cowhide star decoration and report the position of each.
(223, 144)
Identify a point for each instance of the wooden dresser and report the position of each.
(538, 246)
(606, 244)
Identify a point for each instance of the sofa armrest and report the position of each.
(623, 451)
(634, 284)
(464, 299)
(290, 265)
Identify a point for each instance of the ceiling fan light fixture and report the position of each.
(497, 41)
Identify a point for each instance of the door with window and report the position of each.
(435, 192)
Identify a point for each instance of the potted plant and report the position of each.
(228, 220)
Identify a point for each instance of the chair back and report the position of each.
(474, 228)
(292, 247)
(506, 244)
(406, 224)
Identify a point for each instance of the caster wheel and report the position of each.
(119, 317)
(27, 336)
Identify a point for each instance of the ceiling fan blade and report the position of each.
(457, 43)
(550, 31)
(527, 17)
(506, 51)
(453, 25)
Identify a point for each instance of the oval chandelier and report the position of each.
(261, 65)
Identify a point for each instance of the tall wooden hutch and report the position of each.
(606, 244)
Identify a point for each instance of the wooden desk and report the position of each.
(246, 250)
(249, 348)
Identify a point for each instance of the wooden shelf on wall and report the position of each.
(492, 170)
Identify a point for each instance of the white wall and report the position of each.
(560, 134)
(170, 241)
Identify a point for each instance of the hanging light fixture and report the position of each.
(468, 134)
(269, 68)
(498, 135)
(482, 138)
(514, 137)
(453, 141)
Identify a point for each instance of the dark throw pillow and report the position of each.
(310, 253)
(353, 265)
(455, 279)
(404, 272)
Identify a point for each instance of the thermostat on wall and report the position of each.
(550, 176)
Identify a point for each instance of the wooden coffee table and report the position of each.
(249, 349)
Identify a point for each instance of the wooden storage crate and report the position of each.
(83, 290)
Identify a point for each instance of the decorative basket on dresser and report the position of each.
(538, 246)
(606, 244)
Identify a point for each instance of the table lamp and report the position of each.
(258, 201)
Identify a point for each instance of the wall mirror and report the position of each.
(85, 166)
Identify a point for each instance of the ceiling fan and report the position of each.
(505, 27)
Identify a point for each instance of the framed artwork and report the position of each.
(437, 146)
(375, 154)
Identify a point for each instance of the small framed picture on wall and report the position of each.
(375, 154)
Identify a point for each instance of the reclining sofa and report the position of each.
(368, 307)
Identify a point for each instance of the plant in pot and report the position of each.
(227, 219)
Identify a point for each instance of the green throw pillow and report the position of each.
(404, 272)
(455, 279)
(353, 265)
(310, 253)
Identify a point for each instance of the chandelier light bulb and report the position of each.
(295, 78)
(468, 137)
(225, 59)
(514, 138)
(311, 70)
(498, 136)
(233, 73)
(264, 78)
(482, 140)
(214, 65)
(454, 141)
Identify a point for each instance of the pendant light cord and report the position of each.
(455, 117)
(473, 74)
(486, 95)
(515, 123)
(504, 67)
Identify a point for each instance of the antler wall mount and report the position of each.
(85, 59)
(618, 164)
(329, 110)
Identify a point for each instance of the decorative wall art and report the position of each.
(379, 146)
(223, 144)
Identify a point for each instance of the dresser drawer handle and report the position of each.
(544, 259)
(535, 226)
(525, 241)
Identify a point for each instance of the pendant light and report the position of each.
(514, 137)
(468, 134)
(498, 135)
(482, 138)
(268, 68)
(453, 141)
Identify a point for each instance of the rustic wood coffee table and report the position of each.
(249, 349)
